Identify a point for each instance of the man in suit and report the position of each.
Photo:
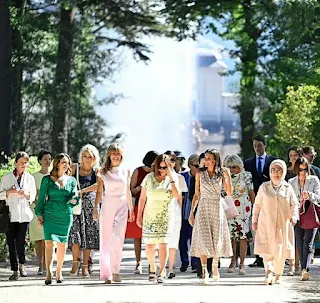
(310, 154)
(259, 166)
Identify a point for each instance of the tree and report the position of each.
(240, 21)
(298, 122)
(5, 81)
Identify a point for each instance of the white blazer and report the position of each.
(312, 186)
(19, 206)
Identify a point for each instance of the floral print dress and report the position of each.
(158, 216)
(240, 226)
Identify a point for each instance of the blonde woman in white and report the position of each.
(35, 231)
(275, 213)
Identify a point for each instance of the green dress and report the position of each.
(54, 205)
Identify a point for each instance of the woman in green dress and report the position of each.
(58, 195)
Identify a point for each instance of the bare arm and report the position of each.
(252, 196)
(195, 198)
(227, 182)
(134, 182)
(129, 198)
(99, 193)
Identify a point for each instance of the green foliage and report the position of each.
(33, 167)
(298, 121)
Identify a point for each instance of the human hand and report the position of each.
(254, 226)
(139, 221)
(131, 216)
(40, 221)
(191, 219)
(305, 195)
(74, 201)
(95, 213)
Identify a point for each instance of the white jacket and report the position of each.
(19, 206)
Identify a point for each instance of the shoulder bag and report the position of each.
(77, 209)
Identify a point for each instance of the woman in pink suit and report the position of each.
(114, 182)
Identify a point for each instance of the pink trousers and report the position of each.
(113, 224)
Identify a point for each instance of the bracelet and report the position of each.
(172, 181)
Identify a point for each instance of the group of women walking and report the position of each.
(88, 208)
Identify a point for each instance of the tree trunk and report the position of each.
(5, 82)
(17, 69)
(249, 60)
(61, 99)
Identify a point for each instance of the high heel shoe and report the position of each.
(205, 275)
(242, 272)
(215, 274)
(269, 278)
(76, 272)
(85, 272)
(48, 282)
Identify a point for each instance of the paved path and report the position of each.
(136, 288)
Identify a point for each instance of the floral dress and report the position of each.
(240, 226)
(158, 216)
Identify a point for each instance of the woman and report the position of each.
(175, 206)
(158, 190)
(210, 237)
(57, 197)
(274, 214)
(294, 153)
(307, 190)
(133, 230)
(18, 188)
(114, 182)
(243, 196)
(36, 232)
(84, 232)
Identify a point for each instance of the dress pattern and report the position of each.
(84, 230)
(158, 216)
(242, 185)
(210, 235)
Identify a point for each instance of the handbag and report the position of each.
(229, 207)
(4, 217)
(77, 208)
(309, 215)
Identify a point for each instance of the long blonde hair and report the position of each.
(92, 150)
(114, 147)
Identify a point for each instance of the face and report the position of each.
(209, 160)
(276, 172)
(303, 170)
(163, 169)
(293, 156)
(234, 169)
(179, 163)
(46, 160)
(64, 164)
(22, 164)
(194, 168)
(310, 157)
(202, 163)
(115, 158)
(259, 147)
(88, 159)
(172, 161)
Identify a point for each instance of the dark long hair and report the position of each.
(217, 167)
(56, 161)
(157, 161)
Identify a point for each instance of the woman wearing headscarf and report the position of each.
(275, 213)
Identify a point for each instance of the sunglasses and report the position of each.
(303, 169)
(163, 167)
(232, 167)
(195, 165)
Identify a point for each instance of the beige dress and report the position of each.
(273, 210)
(36, 232)
(210, 236)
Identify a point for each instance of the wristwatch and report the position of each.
(172, 181)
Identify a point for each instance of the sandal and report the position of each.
(160, 279)
(75, 270)
(242, 272)
(85, 272)
(152, 276)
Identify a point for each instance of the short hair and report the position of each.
(149, 158)
(42, 153)
(299, 161)
(309, 150)
(171, 154)
(93, 151)
(21, 154)
(157, 161)
(233, 160)
(179, 155)
(193, 158)
(260, 138)
(297, 149)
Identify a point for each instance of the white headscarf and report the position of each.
(283, 165)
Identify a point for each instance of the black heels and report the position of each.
(60, 281)
(48, 282)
